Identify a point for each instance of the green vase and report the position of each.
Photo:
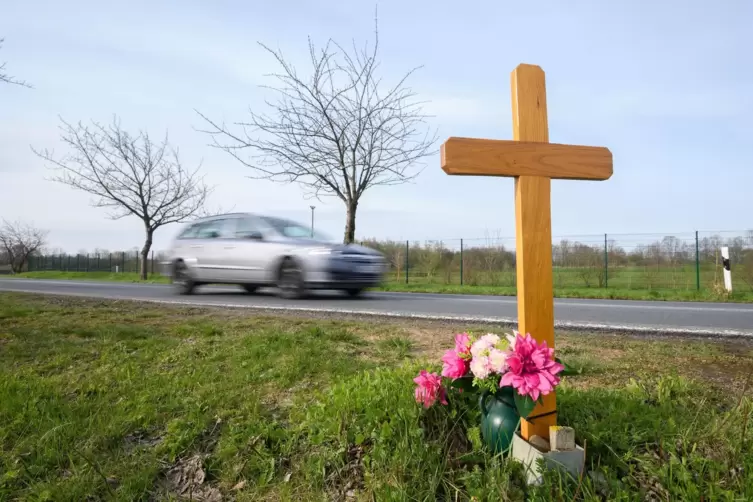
(499, 419)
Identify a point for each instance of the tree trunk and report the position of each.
(18, 266)
(350, 222)
(145, 253)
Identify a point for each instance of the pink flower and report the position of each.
(532, 368)
(429, 389)
(463, 344)
(454, 366)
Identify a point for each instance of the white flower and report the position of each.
(480, 367)
(480, 348)
(491, 339)
(498, 361)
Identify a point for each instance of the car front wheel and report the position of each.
(290, 280)
(181, 279)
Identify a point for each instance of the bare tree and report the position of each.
(130, 175)
(336, 132)
(19, 241)
(9, 79)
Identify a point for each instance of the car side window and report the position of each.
(189, 232)
(213, 229)
(247, 227)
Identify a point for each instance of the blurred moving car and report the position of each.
(256, 251)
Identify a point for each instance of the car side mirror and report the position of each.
(254, 236)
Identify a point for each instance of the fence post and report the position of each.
(87, 262)
(606, 263)
(78, 262)
(122, 261)
(697, 264)
(110, 259)
(461, 262)
(407, 262)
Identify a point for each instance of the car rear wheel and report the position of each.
(250, 288)
(354, 292)
(182, 280)
(290, 280)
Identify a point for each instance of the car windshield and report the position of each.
(294, 230)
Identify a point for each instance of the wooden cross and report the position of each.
(533, 162)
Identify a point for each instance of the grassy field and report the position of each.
(707, 295)
(122, 401)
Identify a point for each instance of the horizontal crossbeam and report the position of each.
(490, 157)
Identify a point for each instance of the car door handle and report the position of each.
(229, 247)
(196, 247)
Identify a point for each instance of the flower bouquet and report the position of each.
(510, 374)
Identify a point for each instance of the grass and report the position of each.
(705, 295)
(104, 400)
(92, 276)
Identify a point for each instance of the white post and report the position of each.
(312, 220)
(727, 272)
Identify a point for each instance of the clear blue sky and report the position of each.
(667, 86)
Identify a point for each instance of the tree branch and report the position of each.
(336, 131)
(19, 241)
(129, 175)
(9, 79)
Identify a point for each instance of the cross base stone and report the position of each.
(571, 462)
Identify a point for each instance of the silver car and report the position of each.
(257, 251)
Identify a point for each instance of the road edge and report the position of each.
(510, 322)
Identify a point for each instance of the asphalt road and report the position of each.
(703, 319)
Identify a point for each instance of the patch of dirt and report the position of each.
(186, 479)
(141, 438)
(738, 348)
(343, 484)
(430, 343)
(730, 375)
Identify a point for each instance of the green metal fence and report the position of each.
(105, 262)
(685, 261)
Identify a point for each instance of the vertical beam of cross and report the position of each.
(533, 161)
(533, 232)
